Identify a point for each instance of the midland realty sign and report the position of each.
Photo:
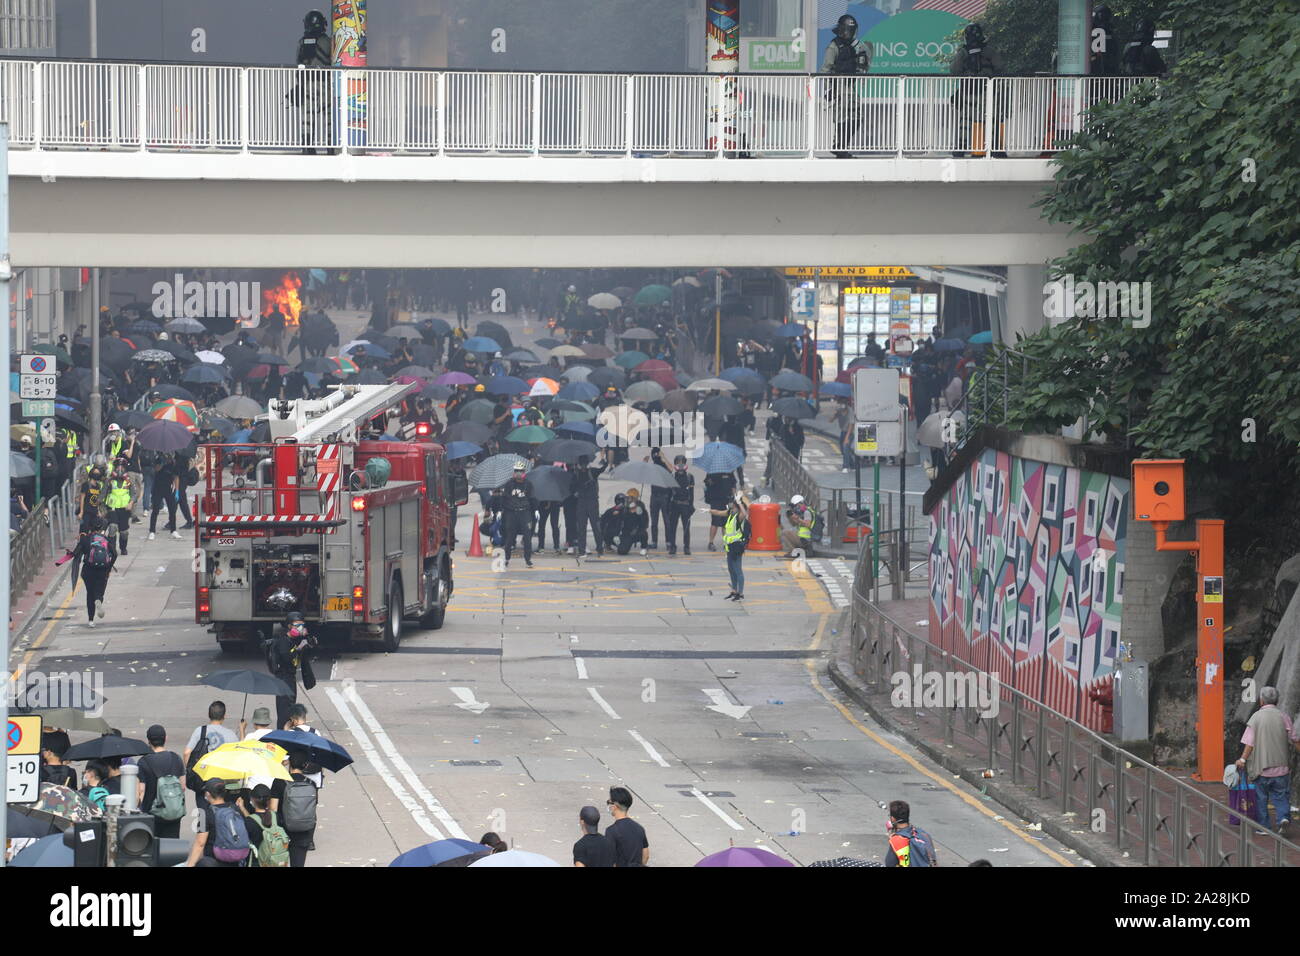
(773, 55)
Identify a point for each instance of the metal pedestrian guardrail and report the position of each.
(1155, 817)
(55, 104)
(47, 530)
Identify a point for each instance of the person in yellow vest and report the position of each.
(735, 539)
(119, 492)
(114, 442)
(908, 845)
(800, 535)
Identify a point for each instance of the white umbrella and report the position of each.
(605, 300)
(515, 858)
(577, 373)
(211, 357)
(352, 345)
(710, 385)
(688, 280)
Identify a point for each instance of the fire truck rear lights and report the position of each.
(359, 503)
(358, 599)
(205, 605)
(422, 429)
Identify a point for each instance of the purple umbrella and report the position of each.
(455, 378)
(744, 856)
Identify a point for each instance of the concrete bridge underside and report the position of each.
(64, 214)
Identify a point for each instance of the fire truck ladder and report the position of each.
(342, 422)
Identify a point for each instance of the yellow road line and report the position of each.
(819, 604)
(36, 645)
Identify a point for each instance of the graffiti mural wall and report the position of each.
(1043, 547)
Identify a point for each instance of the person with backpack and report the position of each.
(93, 559)
(804, 531)
(161, 784)
(222, 839)
(735, 539)
(297, 808)
(270, 844)
(92, 779)
(203, 741)
(118, 495)
(908, 845)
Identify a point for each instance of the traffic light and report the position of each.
(137, 844)
(87, 840)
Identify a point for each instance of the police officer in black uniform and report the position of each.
(845, 56)
(681, 506)
(311, 95)
(1140, 56)
(586, 507)
(516, 503)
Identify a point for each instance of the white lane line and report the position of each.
(582, 668)
(334, 669)
(595, 695)
(421, 791)
(654, 754)
(695, 792)
(359, 735)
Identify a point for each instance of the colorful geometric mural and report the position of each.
(1027, 577)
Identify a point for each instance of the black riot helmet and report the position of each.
(1102, 17)
(974, 35)
(846, 27)
(1146, 32)
(313, 24)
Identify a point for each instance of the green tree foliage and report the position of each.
(1194, 188)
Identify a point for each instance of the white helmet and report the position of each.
(115, 427)
(573, 288)
(797, 500)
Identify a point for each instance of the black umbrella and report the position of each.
(424, 355)
(435, 392)
(479, 410)
(720, 406)
(130, 418)
(567, 450)
(319, 364)
(794, 408)
(249, 682)
(173, 391)
(643, 473)
(107, 747)
(70, 417)
(604, 377)
(180, 351)
(550, 483)
(270, 358)
(494, 330)
(437, 326)
(146, 325)
(165, 436)
(114, 353)
(19, 826)
(371, 376)
(549, 343)
(212, 422)
(206, 375)
(468, 431)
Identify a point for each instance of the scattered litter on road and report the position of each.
(998, 849)
(922, 623)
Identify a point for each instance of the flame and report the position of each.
(285, 295)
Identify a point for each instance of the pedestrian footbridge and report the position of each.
(118, 164)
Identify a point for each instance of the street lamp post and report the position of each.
(96, 403)
(717, 322)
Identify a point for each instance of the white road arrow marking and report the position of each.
(467, 701)
(722, 704)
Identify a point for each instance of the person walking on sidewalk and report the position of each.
(735, 539)
(117, 500)
(1267, 743)
(631, 848)
(95, 555)
(164, 496)
(161, 784)
(908, 845)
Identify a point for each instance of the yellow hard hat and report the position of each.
(480, 387)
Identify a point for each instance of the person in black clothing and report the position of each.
(631, 848)
(1140, 56)
(186, 475)
(153, 766)
(718, 490)
(660, 499)
(586, 508)
(95, 555)
(516, 503)
(300, 841)
(792, 436)
(592, 849)
(204, 842)
(53, 769)
(733, 433)
(164, 495)
(681, 505)
(632, 533)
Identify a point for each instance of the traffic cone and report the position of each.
(476, 541)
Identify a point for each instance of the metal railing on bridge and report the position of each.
(54, 104)
(1158, 819)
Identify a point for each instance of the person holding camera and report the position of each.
(799, 536)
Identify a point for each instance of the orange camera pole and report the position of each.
(1208, 548)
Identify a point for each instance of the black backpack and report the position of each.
(192, 780)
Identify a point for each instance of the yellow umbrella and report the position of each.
(224, 764)
(272, 751)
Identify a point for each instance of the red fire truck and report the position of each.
(327, 519)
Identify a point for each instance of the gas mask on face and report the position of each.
(974, 37)
(846, 28)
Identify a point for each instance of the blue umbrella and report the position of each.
(981, 338)
(47, 851)
(480, 343)
(737, 372)
(376, 351)
(507, 385)
(949, 345)
(462, 449)
(443, 853)
(586, 429)
(206, 375)
(837, 390)
(579, 391)
(318, 749)
(791, 330)
(719, 458)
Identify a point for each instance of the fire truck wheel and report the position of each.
(393, 627)
(433, 616)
